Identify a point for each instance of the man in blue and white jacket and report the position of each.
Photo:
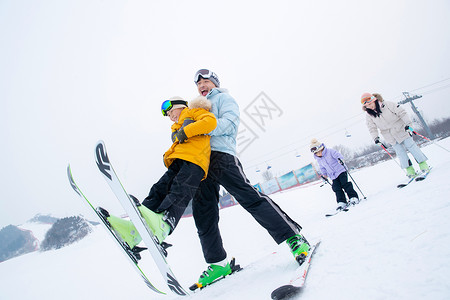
(225, 169)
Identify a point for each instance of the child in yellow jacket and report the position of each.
(187, 161)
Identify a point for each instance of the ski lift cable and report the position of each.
(318, 133)
(274, 152)
(430, 84)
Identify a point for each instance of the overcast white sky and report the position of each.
(75, 72)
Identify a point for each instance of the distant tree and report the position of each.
(44, 219)
(64, 232)
(267, 175)
(347, 153)
(440, 127)
(15, 241)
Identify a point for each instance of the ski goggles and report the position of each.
(205, 73)
(316, 149)
(368, 100)
(168, 104)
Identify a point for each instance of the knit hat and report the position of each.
(176, 100)
(315, 146)
(207, 74)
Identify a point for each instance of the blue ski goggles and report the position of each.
(168, 104)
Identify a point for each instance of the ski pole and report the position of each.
(342, 163)
(384, 148)
(424, 137)
(325, 180)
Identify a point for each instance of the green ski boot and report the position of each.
(156, 223)
(126, 230)
(424, 167)
(410, 172)
(213, 273)
(299, 247)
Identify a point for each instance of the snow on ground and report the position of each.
(38, 229)
(394, 245)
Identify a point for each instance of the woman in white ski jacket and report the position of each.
(394, 125)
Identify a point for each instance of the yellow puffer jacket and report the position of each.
(197, 122)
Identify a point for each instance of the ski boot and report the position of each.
(342, 206)
(424, 168)
(214, 273)
(125, 230)
(299, 247)
(410, 172)
(353, 201)
(155, 221)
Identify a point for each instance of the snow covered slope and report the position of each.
(38, 229)
(395, 245)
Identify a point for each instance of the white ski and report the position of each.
(126, 250)
(134, 214)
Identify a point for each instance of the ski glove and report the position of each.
(180, 136)
(340, 161)
(325, 179)
(410, 130)
(377, 142)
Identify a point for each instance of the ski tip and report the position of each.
(284, 292)
(195, 286)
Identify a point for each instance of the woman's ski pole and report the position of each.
(424, 137)
(342, 163)
(384, 148)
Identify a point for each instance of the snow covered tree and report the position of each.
(65, 232)
(15, 241)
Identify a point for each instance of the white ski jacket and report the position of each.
(391, 123)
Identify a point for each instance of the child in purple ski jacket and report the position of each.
(331, 165)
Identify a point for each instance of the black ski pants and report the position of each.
(341, 184)
(226, 170)
(173, 191)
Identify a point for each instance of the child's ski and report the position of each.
(126, 249)
(336, 212)
(156, 250)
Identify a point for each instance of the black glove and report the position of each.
(181, 136)
(377, 140)
(340, 161)
(324, 179)
(407, 128)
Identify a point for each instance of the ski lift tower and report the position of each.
(410, 99)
